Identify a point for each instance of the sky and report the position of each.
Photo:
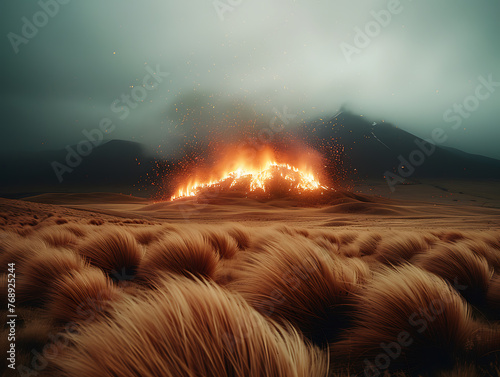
(158, 69)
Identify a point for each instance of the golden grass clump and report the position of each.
(451, 236)
(408, 319)
(466, 271)
(81, 297)
(296, 281)
(400, 248)
(188, 254)
(347, 237)
(222, 242)
(38, 273)
(486, 251)
(368, 243)
(326, 235)
(115, 251)
(240, 234)
(188, 328)
(57, 237)
(492, 238)
(147, 236)
(78, 230)
(18, 250)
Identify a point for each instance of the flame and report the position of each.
(256, 176)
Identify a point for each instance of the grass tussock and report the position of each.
(225, 245)
(81, 297)
(39, 273)
(147, 236)
(347, 237)
(187, 254)
(368, 243)
(78, 230)
(18, 250)
(297, 281)
(96, 222)
(466, 271)
(492, 238)
(57, 237)
(400, 248)
(451, 236)
(115, 251)
(189, 328)
(403, 317)
(240, 234)
(239, 300)
(485, 250)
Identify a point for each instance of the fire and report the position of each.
(257, 176)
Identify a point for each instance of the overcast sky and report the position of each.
(240, 62)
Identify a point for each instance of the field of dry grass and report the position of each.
(354, 286)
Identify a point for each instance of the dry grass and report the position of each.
(226, 337)
(468, 272)
(38, 274)
(77, 229)
(18, 250)
(58, 237)
(229, 299)
(115, 251)
(240, 234)
(147, 236)
(415, 315)
(225, 245)
(297, 281)
(81, 297)
(400, 248)
(187, 253)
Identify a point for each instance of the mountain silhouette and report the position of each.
(352, 146)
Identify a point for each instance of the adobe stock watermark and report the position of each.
(364, 36)
(122, 106)
(456, 114)
(30, 27)
(224, 6)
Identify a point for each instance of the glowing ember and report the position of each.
(257, 179)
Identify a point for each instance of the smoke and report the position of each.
(237, 65)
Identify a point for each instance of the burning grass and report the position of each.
(265, 174)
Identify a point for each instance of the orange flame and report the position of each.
(258, 172)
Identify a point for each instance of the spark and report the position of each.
(259, 180)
